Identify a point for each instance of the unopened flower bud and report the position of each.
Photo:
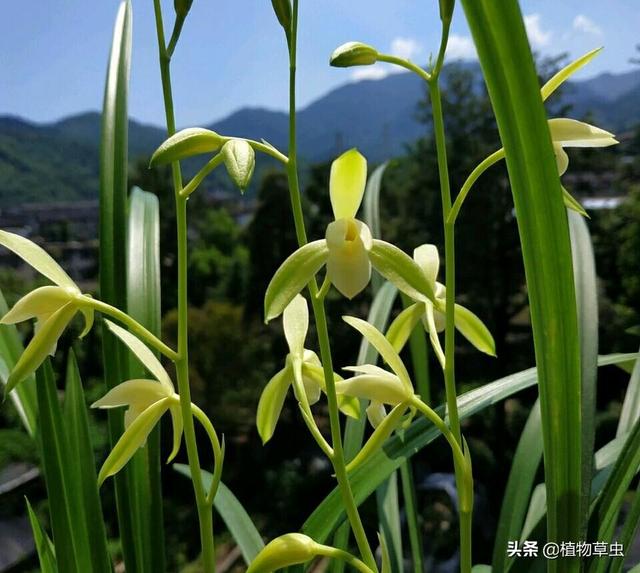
(282, 8)
(446, 10)
(353, 54)
(286, 550)
(239, 159)
(182, 7)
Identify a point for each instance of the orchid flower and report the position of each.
(348, 249)
(53, 307)
(433, 316)
(302, 370)
(146, 401)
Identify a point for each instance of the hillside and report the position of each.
(59, 161)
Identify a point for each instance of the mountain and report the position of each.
(59, 161)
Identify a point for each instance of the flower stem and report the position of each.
(450, 278)
(205, 516)
(337, 460)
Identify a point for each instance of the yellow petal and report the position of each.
(376, 412)
(348, 265)
(562, 159)
(144, 355)
(40, 302)
(573, 133)
(347, 183)
(387, 389)
(138, 394)
(558, 79)
(432, 329)
(296, 323)
(38, 258)
(176, 421)
(428, 260)
(132, 439)
(271, 402)
(88, 315)
(289, 549)
(312, 370)
(40, 345)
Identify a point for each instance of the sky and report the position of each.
(232, 54)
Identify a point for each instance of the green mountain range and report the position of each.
(59, 161)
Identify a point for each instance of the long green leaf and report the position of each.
(366, 478)
(505, 56)
(113, 225)
(605, 510)
(44, 547)
(70, 534)
(518, 491)
(584, 271)
(143, 304)
(371, 214)
(80, 459)
(631, 405)
(24, 395)
(234, 516)
(628, 533)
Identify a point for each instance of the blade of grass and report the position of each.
(505, 56)
(371, 215)
(24, 395)
(366, 478)
(70, 534)
(628, 533)
(389, 520)
(584, 274)
(143, 304)
(44, 547)
(80, 458)
(112, 257)
(631, 405)
(409, 497)
(515, 501)
(235, 517)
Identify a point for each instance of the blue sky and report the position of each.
(232, 54)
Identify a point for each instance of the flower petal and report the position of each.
(432, 329)
(558, 79)
(348, 265)
(347, 183)
(41, 301)
(176, 421)
(144, 355)
(292, 276)
(133, 438)
(88, 315)
(401, 328)
(38, 258)
(573, 133)
(388, 390)
(562, 159)
(376, 413)
(428, 259)
(40, 345)
(271, 402)
(296, 323)
(474, 330)
(347, 404)
(383, 346)
(137, 393)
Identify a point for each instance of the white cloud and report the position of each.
(583, 24)
(537, 36)
(461, 48)
(375, 72)
(406, 48)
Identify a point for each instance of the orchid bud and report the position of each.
(182, 7)
(289, 549)
(353, 54)
(282, 8)
(239, 159)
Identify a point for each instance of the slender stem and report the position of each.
(267, 149)
(349, 559)
(200, 175)
(462, 475)
(205, 515)
(338, 460)
(134, 326)
(175, 36)
(406, 64)
(468, 184)
(409, 496)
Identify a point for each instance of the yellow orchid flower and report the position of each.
(146, 401)
(53, 307)
(302, 370)
(432, 313)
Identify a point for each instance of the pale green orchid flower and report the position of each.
(53, 307)
(302, 370)
(146, 401)
(432, 314)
